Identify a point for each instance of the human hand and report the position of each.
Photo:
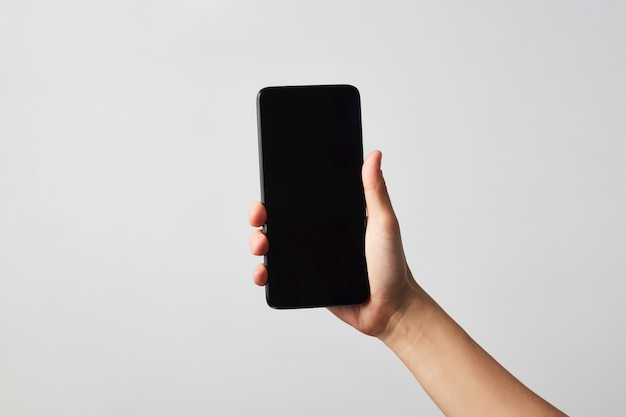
(453, 369)
(391, 283)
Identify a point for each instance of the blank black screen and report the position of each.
(311, 153)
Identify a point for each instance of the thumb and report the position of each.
(376, 196)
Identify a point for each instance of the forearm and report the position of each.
(460, 377)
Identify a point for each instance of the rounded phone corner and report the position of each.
(259, 94)
(354, 89)
(271, 302)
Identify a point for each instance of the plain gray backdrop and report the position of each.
(128, 160)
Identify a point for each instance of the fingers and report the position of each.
(259, 276)
(257, 215)
(259, 244)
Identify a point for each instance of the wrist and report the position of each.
(406, 326)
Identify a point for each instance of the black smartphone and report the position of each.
(310, 157)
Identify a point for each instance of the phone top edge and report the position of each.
(307, 86)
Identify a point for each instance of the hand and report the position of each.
(454, 370)
(392, 285)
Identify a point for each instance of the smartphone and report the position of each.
(310, 157)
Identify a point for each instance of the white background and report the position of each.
(128, 159)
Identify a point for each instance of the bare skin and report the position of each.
(460, 377)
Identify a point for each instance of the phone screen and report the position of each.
(311, 153)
